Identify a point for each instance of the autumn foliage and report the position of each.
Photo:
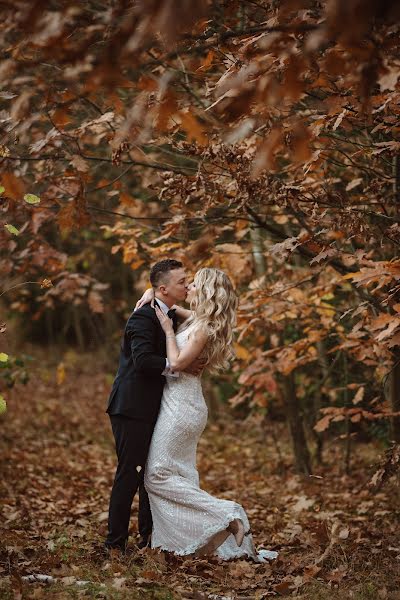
(260, 138)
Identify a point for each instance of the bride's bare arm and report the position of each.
(148, 296)
(180, 359)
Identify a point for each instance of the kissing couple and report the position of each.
(158, 413)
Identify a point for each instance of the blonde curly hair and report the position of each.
(214, 308)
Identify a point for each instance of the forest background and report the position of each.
(258, 137)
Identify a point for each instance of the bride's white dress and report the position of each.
(185, 517)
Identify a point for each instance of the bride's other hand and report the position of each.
(196, 367)
(165, 321)
(148, 296)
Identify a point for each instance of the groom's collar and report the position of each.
(162, 305)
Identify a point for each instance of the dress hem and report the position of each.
(191, 549)
(261, 556)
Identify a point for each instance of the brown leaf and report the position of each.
(14, 186)
(326, 253)
(359, 395)
(323, 423)
(194, 130)
(284, 587)
(388, 80)
(79, 163)
(266, 154)
(300, 143)
(206, 64)
(95, 302)
(167, 107)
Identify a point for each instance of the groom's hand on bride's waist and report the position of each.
(196, 367)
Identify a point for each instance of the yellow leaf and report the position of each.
(242, 352)
(46, 283)
(3, 357)
(32, 199)
(60, 373)
(4, 151)
(11, 229)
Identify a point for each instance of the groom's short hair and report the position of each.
(160, 270)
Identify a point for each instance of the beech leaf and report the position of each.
(359, 395)
(31, 199)
(12, 229)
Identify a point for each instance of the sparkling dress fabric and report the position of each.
(186, 517)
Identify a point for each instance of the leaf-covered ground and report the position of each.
(335, 539)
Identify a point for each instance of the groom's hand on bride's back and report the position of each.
(196, 367)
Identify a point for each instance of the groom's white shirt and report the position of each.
(162, 305)
(167, 370)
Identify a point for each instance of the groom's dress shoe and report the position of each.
(114, 551)
(144, 543)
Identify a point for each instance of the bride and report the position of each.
(186, 519)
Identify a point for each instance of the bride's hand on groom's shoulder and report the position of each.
(165, 321)
(148, 296)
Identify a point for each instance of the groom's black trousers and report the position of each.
(132, 442)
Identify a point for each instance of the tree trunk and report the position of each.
(48, 315)
(78, 329)
(393, 394)
(295, 420)
(347, 448)
(396, 181)
(394, 377)
(211, 395)
(317, 399)
(258, 251)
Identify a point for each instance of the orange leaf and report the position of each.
(14, 186)
(208, 61)
(242, 352)
(300, 143)
(192, 127)
(323, 423)
(168, 106)
(60, 117)
(266, 155)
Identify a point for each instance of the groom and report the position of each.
(135, 400)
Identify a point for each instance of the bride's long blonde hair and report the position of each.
(214, 306)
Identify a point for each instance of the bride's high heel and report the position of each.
(237, 528)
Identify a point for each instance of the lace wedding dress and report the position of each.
(185, 517)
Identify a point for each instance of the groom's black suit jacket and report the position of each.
(138, 385)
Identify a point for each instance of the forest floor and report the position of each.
(335, 539)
